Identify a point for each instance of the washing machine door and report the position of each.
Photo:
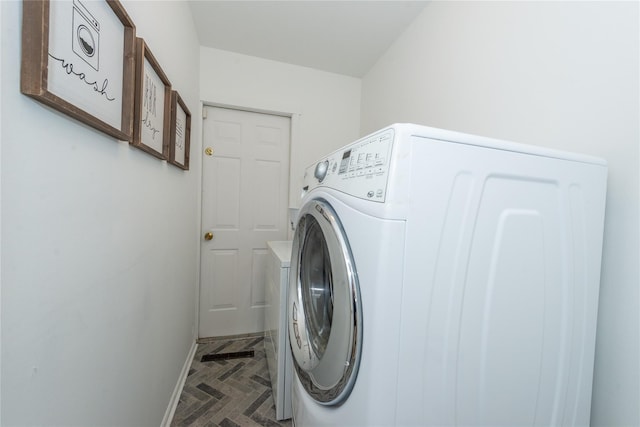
(324, 307)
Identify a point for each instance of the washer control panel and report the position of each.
(360, 169)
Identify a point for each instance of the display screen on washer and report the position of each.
(344, 164)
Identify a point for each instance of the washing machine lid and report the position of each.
(324, 307)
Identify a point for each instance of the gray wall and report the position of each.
(558, 74)
(99, 250)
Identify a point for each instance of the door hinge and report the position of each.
(204, 112)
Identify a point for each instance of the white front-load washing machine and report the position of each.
(440, 278)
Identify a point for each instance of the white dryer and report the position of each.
(276, 340)
(439, 278)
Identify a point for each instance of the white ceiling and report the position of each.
(344, 37)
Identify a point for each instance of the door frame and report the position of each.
(293, 137)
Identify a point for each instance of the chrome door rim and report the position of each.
(328, 375)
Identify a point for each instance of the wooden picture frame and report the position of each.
(152, 104)
(78, 58)
(180, 133)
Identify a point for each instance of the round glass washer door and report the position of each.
(324, 307)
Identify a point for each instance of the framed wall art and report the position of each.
(78, 58)
(152, 105)
(180, 133)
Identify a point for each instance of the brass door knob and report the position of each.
(208, 235)
(208, 151)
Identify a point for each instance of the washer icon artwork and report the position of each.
(86, 35)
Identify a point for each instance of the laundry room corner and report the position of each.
(326, 105)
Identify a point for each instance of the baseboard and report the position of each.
(175, 397)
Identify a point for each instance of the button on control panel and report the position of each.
(360, 169)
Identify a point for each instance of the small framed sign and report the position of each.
(180, 133)
(77, 57)
(152, 106)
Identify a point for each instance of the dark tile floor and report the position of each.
(228, 393)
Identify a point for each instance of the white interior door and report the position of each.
(244, 204)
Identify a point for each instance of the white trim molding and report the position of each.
(175, 397)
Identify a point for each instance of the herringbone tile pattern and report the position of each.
(228, 393)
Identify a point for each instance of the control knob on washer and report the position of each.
(321, 170)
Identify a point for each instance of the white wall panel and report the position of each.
(98, 304)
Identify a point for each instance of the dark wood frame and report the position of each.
(143, 53)
(177, 102)
(35, 67)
